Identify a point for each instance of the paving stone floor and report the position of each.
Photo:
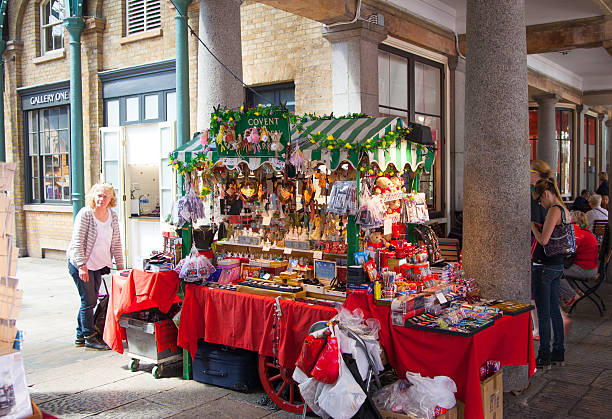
(70, 382)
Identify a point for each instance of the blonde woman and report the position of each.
(96, 241)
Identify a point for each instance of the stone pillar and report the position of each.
(581, 166)
(220, 31)
(496, 244)
(355, 66)
(457, 114)
(548, 149)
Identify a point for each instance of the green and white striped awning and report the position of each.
(358, 130)
(188, 151)
(185, 152)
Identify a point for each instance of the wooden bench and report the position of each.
(449, 249)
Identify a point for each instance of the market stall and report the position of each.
(293, 217)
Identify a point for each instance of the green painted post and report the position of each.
(75, 26)
(352, 231)
(182, 73)
(182, 121)
(2, 137)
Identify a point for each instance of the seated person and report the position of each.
(582, 202)
(597, 212)
(605, 200)
(585, 262)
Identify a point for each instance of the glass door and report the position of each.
(167, 177)
(112, 158)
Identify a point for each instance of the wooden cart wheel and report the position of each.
(279, 385)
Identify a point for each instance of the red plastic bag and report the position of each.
(327, 368)
(311, 348)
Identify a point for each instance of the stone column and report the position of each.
(355, 66)
(457, 114)
(220, 31)
(496, 249)
(581, 149)
(548, 149)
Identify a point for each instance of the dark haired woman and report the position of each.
(546, 273)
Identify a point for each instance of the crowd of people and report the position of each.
(551, 292)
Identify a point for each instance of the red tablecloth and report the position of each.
(509, 341)
(139, 291)
(245, 321)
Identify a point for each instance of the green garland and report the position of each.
(229, 117)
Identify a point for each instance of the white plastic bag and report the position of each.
(432, 392)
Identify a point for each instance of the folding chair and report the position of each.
(599, 230)
(589, 286)
(449, 249)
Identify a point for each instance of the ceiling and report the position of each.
(584, 69)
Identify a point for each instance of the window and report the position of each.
(48, 150)
(412, 88)
(590, 140)
(275, 94)
(565, 135)
(142, 15)
(533, 133)
(51, 25)
(140, 109)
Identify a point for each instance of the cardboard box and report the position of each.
(492, 398)
(10, 303)
(451, 414)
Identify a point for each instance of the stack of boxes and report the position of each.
(14, 393)
(10, 296)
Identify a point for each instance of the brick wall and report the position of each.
(101, 49)
(47, 230)
(278, 47)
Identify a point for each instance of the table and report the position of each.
(245, 321)
(140, 290)
(509, 341)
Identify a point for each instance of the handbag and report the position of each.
(562, 241)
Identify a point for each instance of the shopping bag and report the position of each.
(311, 349)
(327, 367)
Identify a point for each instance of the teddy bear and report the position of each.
(382, 185)
(376, 241)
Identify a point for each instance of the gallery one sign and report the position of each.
(46, 99)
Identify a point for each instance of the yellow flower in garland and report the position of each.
(260, 105)
(312, 140)
(370, 171)
(348, 146)
(330, 137)
(331, 147)
(215, 117)
(367, 146)
(242, 108)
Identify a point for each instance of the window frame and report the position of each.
(588, 119)
(276, 88)
(162, 114)
(45, 26)
(40, 155)
(571, 141)
(439, 208)
(146, 25)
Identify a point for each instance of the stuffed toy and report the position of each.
(376, 241)
(382, 185)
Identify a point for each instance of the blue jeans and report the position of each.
(545, 287)
(88, 291)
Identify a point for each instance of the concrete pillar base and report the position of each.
(355, 66)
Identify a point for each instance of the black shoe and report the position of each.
(79, 342)
(93, 344)
(543, 363)
(558, 357)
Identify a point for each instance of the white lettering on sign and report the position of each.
(262, 121)
(49, 98)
